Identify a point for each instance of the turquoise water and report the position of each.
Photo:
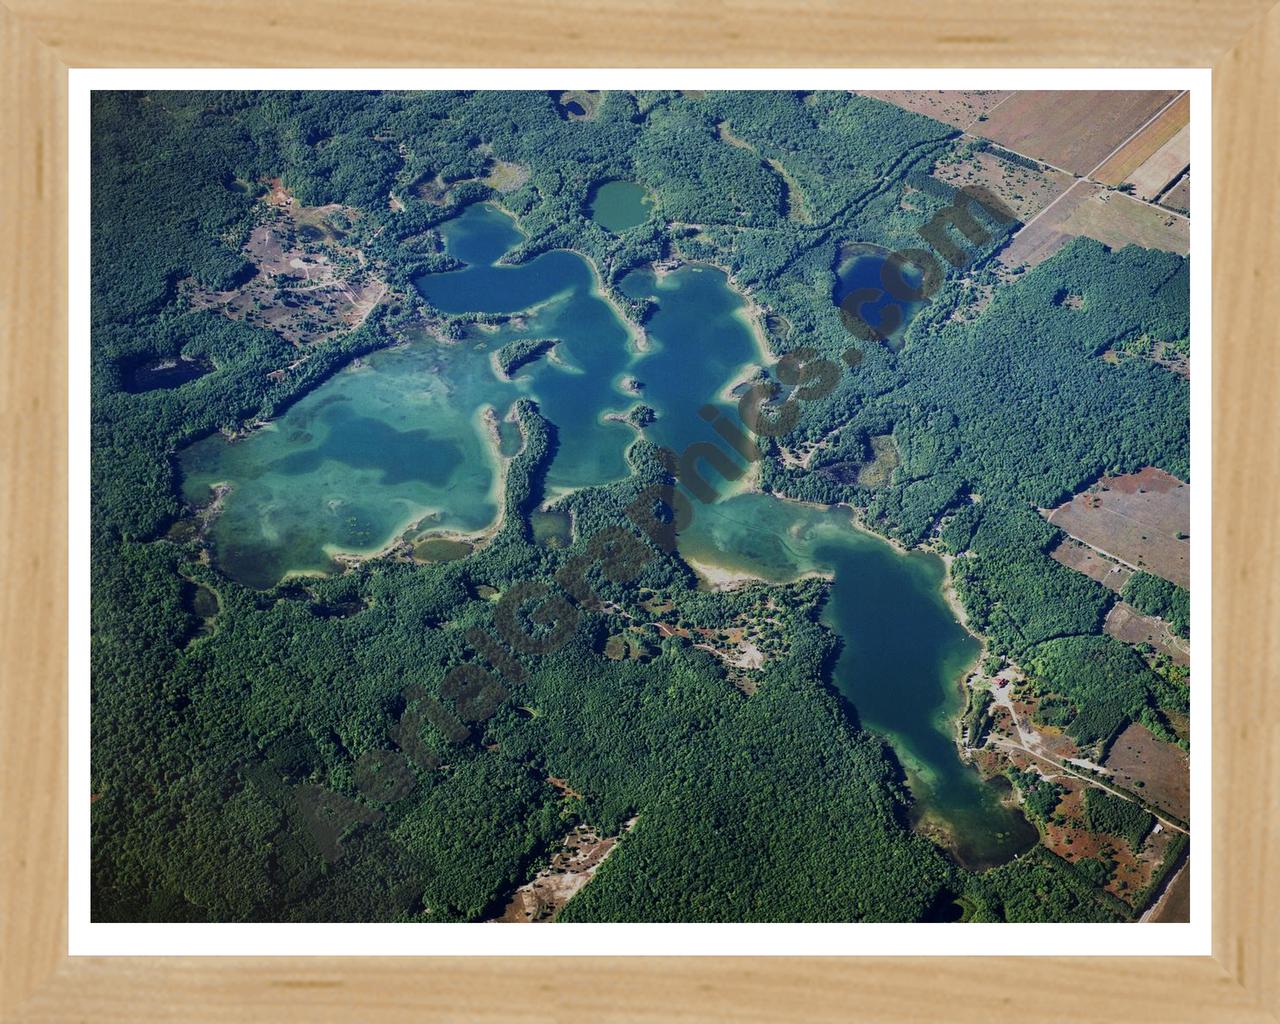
(618, 205)
(699, 341)
(398, 446)
(595, 344)
(902, 657)
(382, 445)
(351, 465)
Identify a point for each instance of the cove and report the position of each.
(380, 446)
(903, 652)
(398, 445)
(399, 441)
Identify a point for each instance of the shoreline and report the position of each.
(751, 313)
(402, 543)
(720, 578)
(639, 337)
(954, 721)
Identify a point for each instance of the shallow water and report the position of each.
(903, 651)
(400, 440)
(400, 437)
(351, 465)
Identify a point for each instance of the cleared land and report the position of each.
(1036, 242)
(1175, 905)
(959, 108)
(1083, 559)
(1142, 146)
(1117, 220)
(1163, 166)
(581, 853)
(1162, 768)
(1072, 130)
(1142, 519)
(1179, 197)
(1069, 836)
(1125, 622)
(307, 285)
(505, 176)
(1113, 218)
(1025, 191)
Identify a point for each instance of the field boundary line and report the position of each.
(987, 113)
(1089, 177)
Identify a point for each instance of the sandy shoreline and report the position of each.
(402, 543)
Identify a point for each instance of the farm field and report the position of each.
(1036, 242)
(1084, 559)
(1026, 192)
(1138, 756)
(1120, 166)
(1178, 197)
(1110, 217)
(1142, 519)
(1163, 166)
(1117, 220)
(1072, 130)
(1124, 622)
(959, 108)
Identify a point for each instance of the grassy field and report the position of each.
(959, 108)
(1072, 130)
(1163, 166)
(1142, 518)
(1142, 146)
(1026, 192)
(1082, 558)
(1137, 756)
(1117, 220)
(1124, 622)
(1179, 197)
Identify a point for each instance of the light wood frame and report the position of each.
(41, 39)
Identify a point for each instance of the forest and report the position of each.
(376, 744)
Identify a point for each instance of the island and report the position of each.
(653, 506)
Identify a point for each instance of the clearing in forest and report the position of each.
(1084, 559)
(959, 108)
(1125, 622)
(1142, 519)
(309, 285)
(1023, 190)
(1160, 771)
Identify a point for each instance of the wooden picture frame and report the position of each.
(41, 39)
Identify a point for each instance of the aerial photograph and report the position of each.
(539, 507)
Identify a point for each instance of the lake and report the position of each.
(400, 439)
(397, 445)
(861, 269)
(618, 205)
(903, 652)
